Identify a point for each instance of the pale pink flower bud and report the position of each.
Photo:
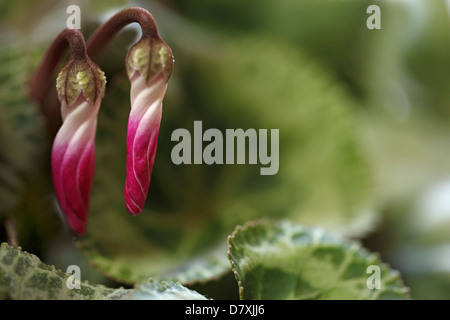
(80, 86)
(149, 66)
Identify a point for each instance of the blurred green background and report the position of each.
(364, 136)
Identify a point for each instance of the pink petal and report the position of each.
(73, 163)
(142, 139)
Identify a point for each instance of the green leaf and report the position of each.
(24, 277)
(324, 178)
(294, 21)
(281, 260)
(164, 291)
(20, 128)
(25, 177)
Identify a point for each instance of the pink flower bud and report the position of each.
(149, 66)
(80, 86)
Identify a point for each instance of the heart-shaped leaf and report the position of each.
(281, 260)
(164, 291)
(20, 129)
(24, 277)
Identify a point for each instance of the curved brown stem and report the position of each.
(41, 82)
(11, 231)
(104, 34)
(39, 88)
(43, 77)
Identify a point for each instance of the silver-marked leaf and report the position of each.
(281, 260)
(24, 277)
(164, 291)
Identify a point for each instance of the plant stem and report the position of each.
(11, 231)
(104, 34)
(43, 79)
(41, 82)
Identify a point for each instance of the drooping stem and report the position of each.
(42, 81)
(104, 34)
(11, 231)
(44, 76)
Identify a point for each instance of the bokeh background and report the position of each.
(364, 136)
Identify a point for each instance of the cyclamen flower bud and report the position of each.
(149, 66)
(80, 86)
